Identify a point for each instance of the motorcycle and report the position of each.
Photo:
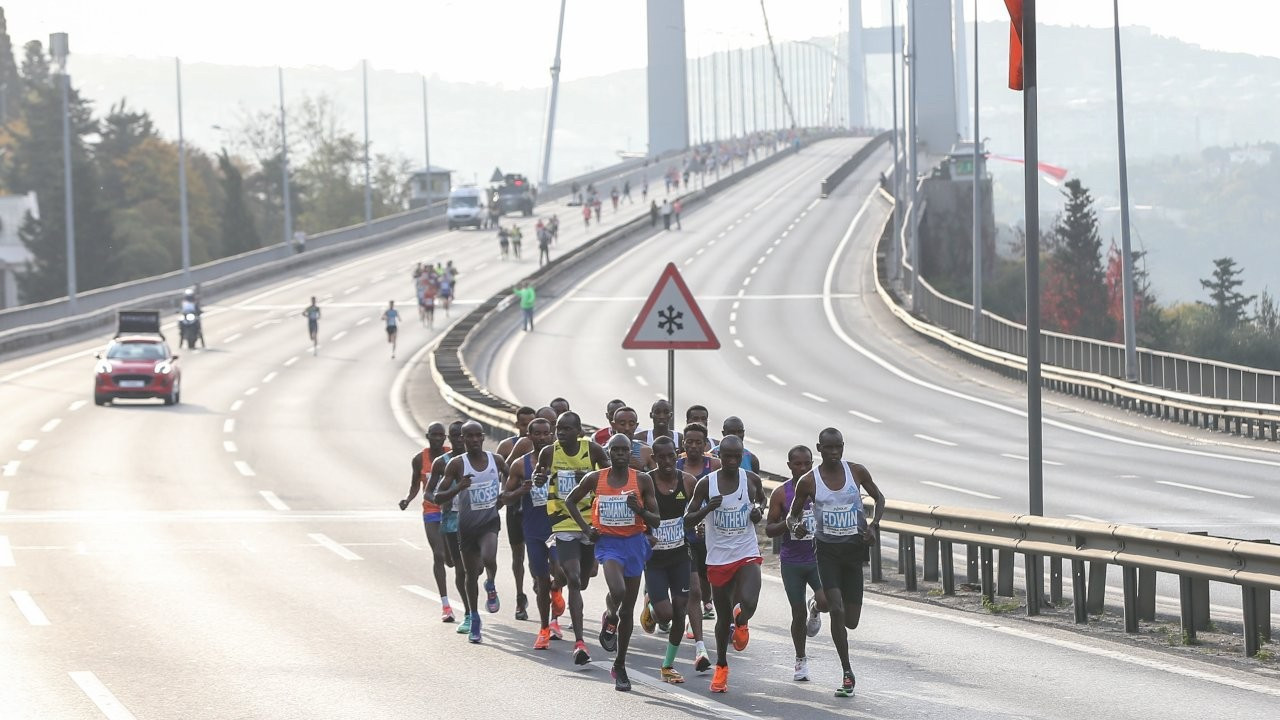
(189, 329)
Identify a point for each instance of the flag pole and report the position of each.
(1031, 179)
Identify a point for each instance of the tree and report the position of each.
(1267, 316)
(1228, 303)
(35, 163)
(238, 231)
(1075, 295)
(1150, 330)
(10, 80)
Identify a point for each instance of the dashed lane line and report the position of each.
(229, 425)
(10, 469)
(51, 425)
(953, 488)
(777, 380)
(753, 360)
(1199, 488)
(4, 500)
(328, 543)
(237, 405)
(230, 446)
(244, 468)
(1086, 518)
(112, 708)
(936, 441)
(737, 342)
(28, 445)
(232, 338)
(338, 335)
(815, 398)
(643, 383)
(421, 592)
(269, 376)
(251, 391)
(291, 361)
(6, 552)
(733, 329)
(362, 321)
(274, 501)
(28, 607)
(631, 362)
(1024, 458)
(864, 416)
(77, 405)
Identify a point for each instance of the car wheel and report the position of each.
(173, 397)
(99, 399)
(452, 227)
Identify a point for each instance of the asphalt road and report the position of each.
(240, 555)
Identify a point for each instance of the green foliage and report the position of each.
(1075, 290)
(238, 232)
(1228, 303)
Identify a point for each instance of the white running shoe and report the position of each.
(802, 669)
(814, 624)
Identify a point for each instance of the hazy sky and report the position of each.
(512, 42)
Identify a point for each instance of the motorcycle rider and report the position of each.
(191, 306)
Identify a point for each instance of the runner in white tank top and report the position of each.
(731, 501)
(842, 536)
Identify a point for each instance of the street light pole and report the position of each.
(912, 140)
(976, 330)
(895, 264)
(59, 48)
(426, 138)
(182, 183)
(742, 89)
(284, 163)
(1130, 329)
(551, 109)
(368, 186)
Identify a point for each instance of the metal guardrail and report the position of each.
(832, 181)
(1193, 391)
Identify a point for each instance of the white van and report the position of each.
(466, 207)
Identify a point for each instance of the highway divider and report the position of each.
(832, 181)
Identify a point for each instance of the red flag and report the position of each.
(1015, 43)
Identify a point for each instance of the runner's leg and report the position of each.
(436, 542)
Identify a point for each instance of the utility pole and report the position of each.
(368, 184)
(1130, 329)
(182, 183)
(426, 138)
(976, 330)
(284, 163)
(59, 49)
(1031, 180)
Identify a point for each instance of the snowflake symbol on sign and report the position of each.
(669, 320)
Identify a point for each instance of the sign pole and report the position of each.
(671, 379)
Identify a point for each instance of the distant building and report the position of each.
(428, 185)
(14, 256)
(1254, 154)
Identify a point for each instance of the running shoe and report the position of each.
(720, 679)
(701, 661)
(621, 682)
(846, 687)
(554, 627)
(580, 656)
(802, 669)
(557, 602)
(544, 640)
(665, 627)
(814, 624)
(609, 632)
(688, 631)
(464, 627)
(669, 675)
(646, 617)
(492, 605)
(708, 611)
(475, 629)
(522, 604)
(741, 635)
(446, 614)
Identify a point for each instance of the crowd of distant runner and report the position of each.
(677, 509)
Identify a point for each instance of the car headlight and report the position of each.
(103, 367)
(164, 367)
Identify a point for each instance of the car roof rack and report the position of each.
(134, 322)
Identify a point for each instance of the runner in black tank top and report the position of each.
(667, 574)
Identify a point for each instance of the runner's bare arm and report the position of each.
(516, 485)
(864, 480)
(587, 485)
(699, 505)
(599, 458)
(803, 495)
(415, 482)
(454, 481)
(433, 482)
(755, 494)
(648, 501)
(776, 524)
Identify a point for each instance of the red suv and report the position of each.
(138, 366)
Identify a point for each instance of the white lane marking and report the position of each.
(410, 544)
(482, 266)
(237, 405)
(1024, 458)
(27, 445)
(51, 425)
(6, 552)
(939, 441)
(350, 290)
(77, 405)
(1116, 655)
(230, 446)
(101, 696)
(733, 317)
(229, 425)
(272, 500)
(722, 234)
(4, 500)
(753, 360)
(362, 321)
(700, 251)
(779, 240)
(269, 376)
(232, 338)
(769, 251)
(1127, 477)
(48, 364)
(326, 542)
(746, 281)
(828, 309)
(812, 205)
(1199, 488)
(1087, 518)
(733, 329)
(643, 383)
(711, 242)
(953, 488)
(291, 361)
(816, 398)
(737, 342)
(631, 362)
(251, 391)
(10, 468)
(736, 304)
(762, 259)
(754, 270)
(776, 379)
(688, 260)
(421, 592)
(244, 468)
(28, 607)
(339, 335)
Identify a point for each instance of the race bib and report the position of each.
(566, 481)
(840, 520)
(810, 524)
(614, 512)
(732, 521)
(670, 534)
(539, 495)
(484, 497)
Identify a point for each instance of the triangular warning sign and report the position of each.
(496, 177)
(671, 319)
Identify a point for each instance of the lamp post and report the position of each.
(59, 48)
(426, 139)
(368, 185)
(182, 182)
(284, 163)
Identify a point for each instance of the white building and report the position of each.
(428, 185)
(14, 256)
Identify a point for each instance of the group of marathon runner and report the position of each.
(668, 515)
